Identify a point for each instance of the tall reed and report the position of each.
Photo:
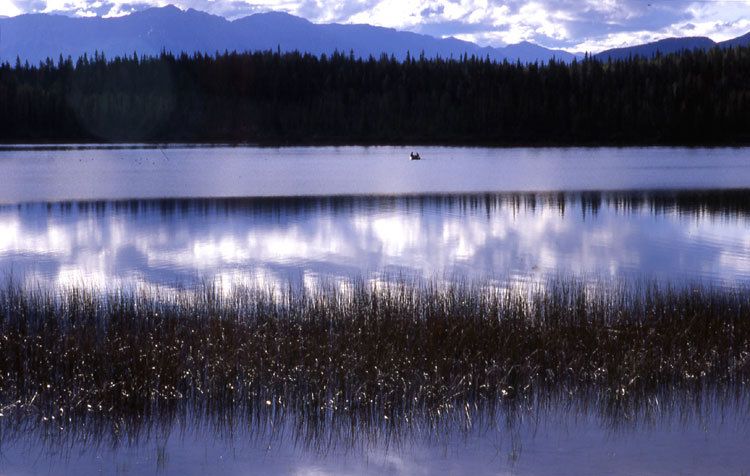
(395, 355)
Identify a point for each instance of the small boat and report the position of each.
(414, 156)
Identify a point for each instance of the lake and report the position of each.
(561, 441)
(178, 216)
(685, 237)
(36, 174)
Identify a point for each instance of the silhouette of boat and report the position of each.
(414, 156)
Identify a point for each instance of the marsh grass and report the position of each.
(372, 361)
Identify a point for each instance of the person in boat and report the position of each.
(414, 156)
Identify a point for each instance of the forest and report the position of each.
(695, 97)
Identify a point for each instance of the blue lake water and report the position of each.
(177, 215)
(32, 174)
(557, 443)
(180, 215)
(529, 237)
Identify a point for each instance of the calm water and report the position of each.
(179, 215)
(105, 215)
(28, 174)
(666, 236)
(557, 443)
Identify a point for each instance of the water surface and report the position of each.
(32, 174)
(555, 441)
(179, 215)
(681, 237)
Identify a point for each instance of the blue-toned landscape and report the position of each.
(382, 237)
(645, 248)
(272, 216)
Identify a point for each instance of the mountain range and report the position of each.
(35, 37)
(672, 45)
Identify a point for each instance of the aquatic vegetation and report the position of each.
(396, 355)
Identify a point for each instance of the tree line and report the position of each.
(695, 97)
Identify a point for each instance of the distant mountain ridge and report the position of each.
(35, 37)
(671, 45)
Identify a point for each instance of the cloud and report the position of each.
(17, 7)
(576, 25)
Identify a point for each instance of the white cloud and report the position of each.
(392, 13)
(7, 8)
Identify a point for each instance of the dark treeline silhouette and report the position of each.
(730, 204)
(694, 97)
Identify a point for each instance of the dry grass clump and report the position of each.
(395, 355)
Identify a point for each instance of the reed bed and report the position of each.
(398, 356)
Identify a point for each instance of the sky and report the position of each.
(573, 25)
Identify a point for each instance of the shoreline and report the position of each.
(95, 144)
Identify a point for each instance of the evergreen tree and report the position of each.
(687, 98)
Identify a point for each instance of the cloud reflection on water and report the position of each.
(675, 236)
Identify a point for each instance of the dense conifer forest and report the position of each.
(267, 97)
